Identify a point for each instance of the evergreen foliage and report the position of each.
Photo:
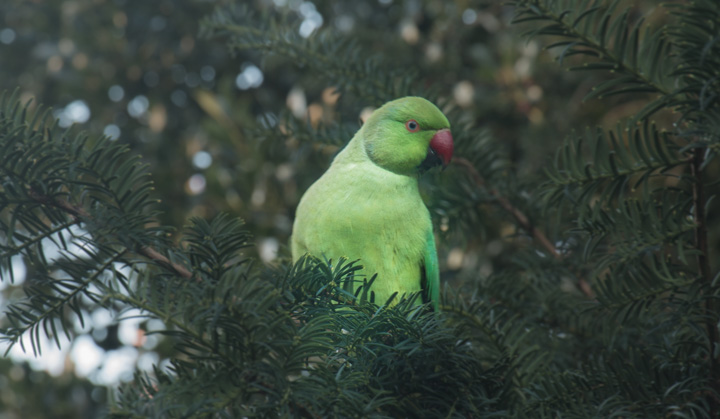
(606, 304)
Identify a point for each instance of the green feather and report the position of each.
(367, 205)
(432, 271)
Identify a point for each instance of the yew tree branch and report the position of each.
(79, 214)
(522, 220)
(701, 243)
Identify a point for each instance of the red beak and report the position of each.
(442, 145)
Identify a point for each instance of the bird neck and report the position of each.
(356, 152)
(353, 159)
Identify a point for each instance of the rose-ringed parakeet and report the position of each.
(367, 205)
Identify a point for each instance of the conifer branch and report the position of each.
(620, 54)
(16, 333)
(292, 341)
(325, 52)
(29, 241)
(476, 321)
(701, 242)
(519, 216)
(275, 43)
(522, 220)
(79, 214)
(158, 257)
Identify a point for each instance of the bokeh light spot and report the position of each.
(250, 77)
(118, 365)
(76, 111)
(207, 73)
(138, 106)
(345, 23)
(116, 93)
(469, 16)
(112, 131)
(268, 248)
(297, 102)
(196, 184)
(313, 19)
(7, 36)
(179, 98)
(54, 64)
(202, 159)
(86, 355)
(464, 93)
(158, 23)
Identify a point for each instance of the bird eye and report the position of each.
(412, 126)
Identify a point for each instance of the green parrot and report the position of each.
(367, 205)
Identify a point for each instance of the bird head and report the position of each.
(407, 136)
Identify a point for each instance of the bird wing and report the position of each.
(432, 271)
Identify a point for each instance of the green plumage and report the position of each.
(367, 205)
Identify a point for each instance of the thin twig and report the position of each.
(521, 219)
(158, 257)
(79, 214)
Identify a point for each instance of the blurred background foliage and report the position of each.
(142, 73)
